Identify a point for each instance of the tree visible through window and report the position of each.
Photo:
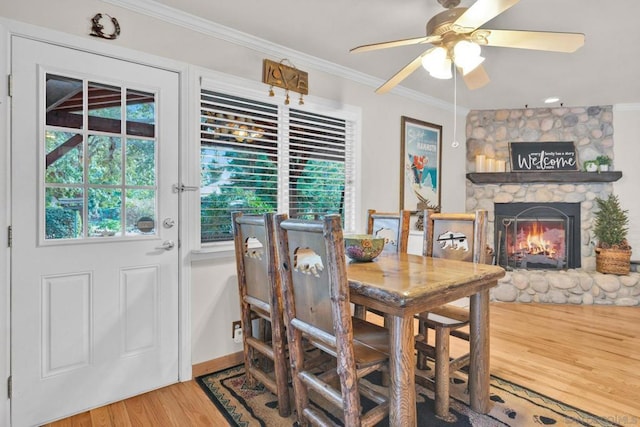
(259, 157)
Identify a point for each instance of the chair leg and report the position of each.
(359, 311)
(442, 374)
(281, 370)
(249, 354)
(421, 360)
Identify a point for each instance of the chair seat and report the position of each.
(370, 341)
(445, 316)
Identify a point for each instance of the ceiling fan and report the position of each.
(456, 37)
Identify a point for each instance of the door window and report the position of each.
(100, 161)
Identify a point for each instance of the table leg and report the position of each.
(402, 390)
(479, 358)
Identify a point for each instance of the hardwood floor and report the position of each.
(585, 356)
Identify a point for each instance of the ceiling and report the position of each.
(606, 70)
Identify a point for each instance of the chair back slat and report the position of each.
(255, 257)
(392, 226)
(459, 236)
(308, 264)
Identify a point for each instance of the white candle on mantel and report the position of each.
(490, 166)
(501, 166)
(480, 163)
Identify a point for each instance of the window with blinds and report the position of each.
(259, 157)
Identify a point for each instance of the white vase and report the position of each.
(604, 168)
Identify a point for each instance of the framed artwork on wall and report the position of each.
(420, 164)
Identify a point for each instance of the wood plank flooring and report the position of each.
(585, 356)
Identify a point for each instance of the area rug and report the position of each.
(512, 405)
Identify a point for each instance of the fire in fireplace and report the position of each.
(537, 235)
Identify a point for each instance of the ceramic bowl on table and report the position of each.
(363, 247)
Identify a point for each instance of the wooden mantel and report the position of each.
(542, 176)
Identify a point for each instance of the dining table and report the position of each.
(402, 285)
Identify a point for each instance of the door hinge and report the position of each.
(10, 85)
(179, 188)
(9, 386)
(9, 236)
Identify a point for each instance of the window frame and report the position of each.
(231, 85)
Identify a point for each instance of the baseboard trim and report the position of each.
(215, 365)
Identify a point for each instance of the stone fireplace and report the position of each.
(575, 281)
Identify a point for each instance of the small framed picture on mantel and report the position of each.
(543, 156)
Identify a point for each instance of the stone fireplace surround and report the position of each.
(590, 128)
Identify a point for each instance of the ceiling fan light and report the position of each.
(472, 65)
(442, 71)
(434, 58)
(466, 54)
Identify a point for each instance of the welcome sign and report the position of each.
(543, 156)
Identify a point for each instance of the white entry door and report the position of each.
(94, 257)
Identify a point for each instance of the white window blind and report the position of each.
(261, 157)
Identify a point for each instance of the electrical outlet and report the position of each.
(237, 337)
(236, 333)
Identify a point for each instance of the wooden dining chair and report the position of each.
(460, 236)
(261, 298)
(317, 310)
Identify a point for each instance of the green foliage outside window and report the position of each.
(63, 223)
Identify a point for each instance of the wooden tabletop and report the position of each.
(412, 283)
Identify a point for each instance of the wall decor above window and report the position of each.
(286, 77)
(98, 29)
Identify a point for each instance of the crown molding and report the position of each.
(194, 23)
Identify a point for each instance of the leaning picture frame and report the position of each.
(420, 164)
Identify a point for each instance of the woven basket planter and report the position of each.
(613, 261)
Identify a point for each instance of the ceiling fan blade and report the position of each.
(480, 12)
(537, 40)
(402, 74)
(476, 78)
(396, 43)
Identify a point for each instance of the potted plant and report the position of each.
(603, 163)
(591, 166)
(613, 253)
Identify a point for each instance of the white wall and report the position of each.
(626, 158)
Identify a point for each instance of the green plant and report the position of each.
(611, 224)
(603, 160)
(62, 223)
(590, 165)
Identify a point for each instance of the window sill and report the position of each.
(213, 251)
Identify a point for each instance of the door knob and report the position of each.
(166, 245)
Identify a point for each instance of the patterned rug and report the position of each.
(513, 405)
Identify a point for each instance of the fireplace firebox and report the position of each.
(537, 235)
